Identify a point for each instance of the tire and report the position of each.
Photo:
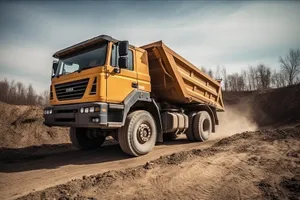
(81, 141)
(190, 132)
(130, 140)
(202, 126)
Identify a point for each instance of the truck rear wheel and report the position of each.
(190, 132)
(202, 126)
(80, 139)
(138, 136)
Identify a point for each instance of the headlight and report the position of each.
(48, 112)
(81, 110)
(92, 109)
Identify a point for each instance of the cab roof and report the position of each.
(94, 40)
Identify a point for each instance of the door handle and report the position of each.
(134, 85)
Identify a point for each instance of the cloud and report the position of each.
(230, 34)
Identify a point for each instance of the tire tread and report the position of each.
(190, 131)
(124, 132)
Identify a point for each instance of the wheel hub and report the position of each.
(144, 133)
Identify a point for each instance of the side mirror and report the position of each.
(123, 62)
(54, 68)
(123, 48)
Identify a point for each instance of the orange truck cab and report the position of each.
(138, 95)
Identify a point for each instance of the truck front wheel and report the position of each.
(138, 136)
(81, 139)
(202, 126)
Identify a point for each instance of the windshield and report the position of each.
(88, 58)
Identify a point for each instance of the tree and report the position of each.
(291, 65)
(17, 93)
(240, 83)
(217, 74)
(224, 74)
(275, 79)
(31, 100)
(244, 77)
(264, 76)
(210, 73)
(203, 69)
(46, 97)
(252, 78)
(297, 80)
(4, 88)
(279, 79)
(21, 93)
(236, 82)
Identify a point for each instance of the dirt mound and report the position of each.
(268, 107)
(251, 165)
(277, 106)
(262, 163)
(22, 126)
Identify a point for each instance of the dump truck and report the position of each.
(140, 96)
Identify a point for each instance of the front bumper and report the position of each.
(70, 116)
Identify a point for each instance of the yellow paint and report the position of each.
(143, 70)
(89, 73)
(119, 85)
(173, 79)
(176, 80)
(111, 87)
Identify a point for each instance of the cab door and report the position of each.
(119, 85)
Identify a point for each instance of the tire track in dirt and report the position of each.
(18, 179)
(251, 165)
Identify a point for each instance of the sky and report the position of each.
(231, 34)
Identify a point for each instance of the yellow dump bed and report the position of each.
(176, 80)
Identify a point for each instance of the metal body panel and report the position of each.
(70, 116)
(111, 115)
(175, 80)
(91, 74)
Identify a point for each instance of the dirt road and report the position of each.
(25, 168)
(252, 165)
(21, 176)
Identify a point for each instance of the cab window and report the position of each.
(113, 58)
(130, 60)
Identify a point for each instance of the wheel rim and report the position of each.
(144, 133)
(206, 128)
(206, 125)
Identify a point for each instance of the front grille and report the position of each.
(93, 90)
(71, 90)
(66, 111)
(51, 93)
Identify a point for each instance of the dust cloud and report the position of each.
(235, 120)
